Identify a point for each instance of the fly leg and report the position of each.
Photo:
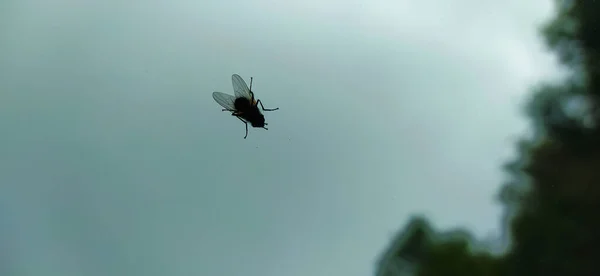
(266, 109)
(261, 105)
(245, 123)
(245, 135)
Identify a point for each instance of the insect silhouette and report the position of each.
(243, 105)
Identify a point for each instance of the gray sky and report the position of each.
(115, 160)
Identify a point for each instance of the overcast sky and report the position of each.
(115, 160)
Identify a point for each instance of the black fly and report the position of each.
(243, 105)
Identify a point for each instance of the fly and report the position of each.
(243, 105)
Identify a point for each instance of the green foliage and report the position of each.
(556, 230)
(560, 35)
(573, 35)
(454, 258)
(554, 193)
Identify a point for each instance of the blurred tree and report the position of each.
(406, 249)
(553, 198)
(455, 257)
(420, 250)
(554, 195)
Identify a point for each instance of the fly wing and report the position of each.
(225, 100)
(239, 87)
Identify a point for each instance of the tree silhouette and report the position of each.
(553, 198)
(555, 229)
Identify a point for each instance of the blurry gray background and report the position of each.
(115, 160)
